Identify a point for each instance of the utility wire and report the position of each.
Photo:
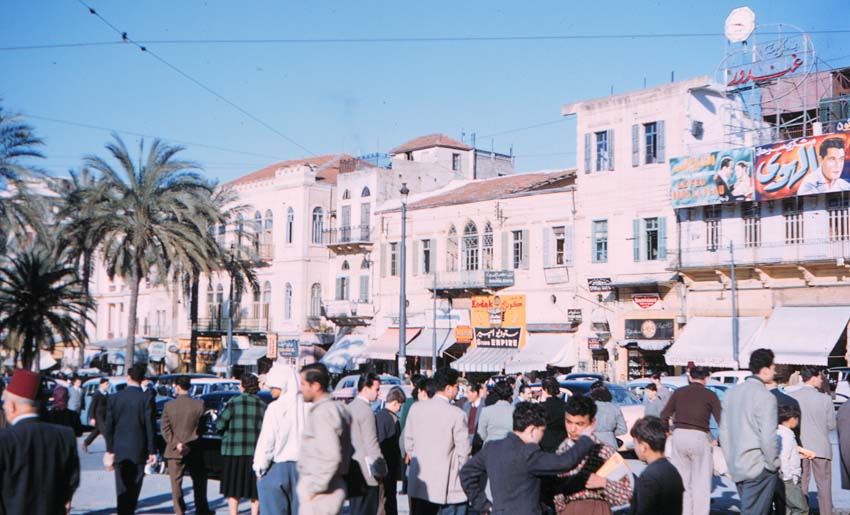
(143, 135)
(518, 129)
(403, 39)
(143, 48)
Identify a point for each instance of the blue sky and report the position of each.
(355, 97)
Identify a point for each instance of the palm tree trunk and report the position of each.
(193, 321)
(26, 358)
(87, 264)
(130, 347)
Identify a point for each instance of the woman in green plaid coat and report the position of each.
(239, 425)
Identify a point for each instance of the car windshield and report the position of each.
(622, 397)
(720, 391)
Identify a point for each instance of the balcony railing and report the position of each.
(352, 234)
(473, 280)
(348, 312)
(773, 253)
(240, 325)
(157, 331)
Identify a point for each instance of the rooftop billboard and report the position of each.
(712, 178)
(802, 166)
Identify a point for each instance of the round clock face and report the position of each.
(648, 328)
(740, 24)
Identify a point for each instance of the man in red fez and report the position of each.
(39, 466)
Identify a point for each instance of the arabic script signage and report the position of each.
(498, 320)
(764, 62)
(597, 284)
(502, 337)
(803, 166)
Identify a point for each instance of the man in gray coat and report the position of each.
(436, 438)
(817, 420)
(325, 446)
(363, 480)
(748, 436)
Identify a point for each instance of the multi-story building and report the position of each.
(630, 297)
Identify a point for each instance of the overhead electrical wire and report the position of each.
(400, 39)
(126, 38)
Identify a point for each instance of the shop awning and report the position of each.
(707, 341)
(649, 345)
(242, 357)
(803, 335)
(386, 347)
(484, 359)
(342, 353)
(423, 344)
(113, 343)
(542, 349)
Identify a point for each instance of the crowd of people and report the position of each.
(493, 449)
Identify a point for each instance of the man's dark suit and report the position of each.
(128, 431)
(39, 468)
(97, 411)
(513, 469)
(180, 423)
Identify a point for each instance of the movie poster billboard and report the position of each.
(712, 178)
(802, 166)
(498, 321)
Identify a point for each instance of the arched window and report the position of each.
(345, 265)
(487, 247)
(267, 299)
(219, 301)
(240, 228)
(365, 192)
(346, 195)
(222, 231)
(316, 300)
(290, 224)
(211, 310)
(258, 228)
(318, 225)
(364, 265)
(255, 305)
(470, 246)
(267, 227)
(287, 302)
(451, 250)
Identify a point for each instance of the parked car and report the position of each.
(164, 384)
(210, 440)
(583, 376)
(731, 376)
(673, 382)
(116, 384)
(346, 388)
(838, 384)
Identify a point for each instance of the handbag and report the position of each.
(718, 460)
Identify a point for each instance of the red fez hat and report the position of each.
(24, 384)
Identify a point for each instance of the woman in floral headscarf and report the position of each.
(59, 413)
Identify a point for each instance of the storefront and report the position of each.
(645, 343)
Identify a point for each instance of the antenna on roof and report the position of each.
(673, 76)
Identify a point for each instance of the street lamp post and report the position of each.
(402, 295)
(230, 316)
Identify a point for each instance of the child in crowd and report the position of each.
(654, 404)
(389, 431)
(796, 502)
(659, 488)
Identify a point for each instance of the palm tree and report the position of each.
(79, 233)
(19, 211)
(40, 296)
(153, 215)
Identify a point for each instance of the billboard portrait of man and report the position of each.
(827, 178)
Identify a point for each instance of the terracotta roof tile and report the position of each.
(496, 188)
(327, 168)
(431, 140)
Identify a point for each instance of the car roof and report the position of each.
(113, 380)
(212, 380)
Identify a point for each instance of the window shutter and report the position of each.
(338, 293)
(506, 254)
(568, 245)
(588, 157)
(416, 257)
(546, 253)
(635, 145)
(636, 238)
(662, 237)
(610, 149)
(660, 136)
(383, 259)
(593, 242)
(364, 288)
(526, 243)
(433, 263)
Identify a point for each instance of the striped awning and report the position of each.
(543, 349)
(485, 359)
(423, 345)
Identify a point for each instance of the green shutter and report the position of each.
(588, 155)
(611, 149)
(636, 238)
(568, 245)
(546, 253)
(506, 254)
(635, 145)
(659, 158)
(383, 259)
(526, 244)
(662, 237)
(416, 257)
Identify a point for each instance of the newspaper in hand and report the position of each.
(614, 469)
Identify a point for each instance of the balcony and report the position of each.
(348, 240)
(766, 254)
(470, 282)
(348, 312)
(218, 325)
(156, 331)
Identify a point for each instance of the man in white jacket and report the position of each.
(278, 445)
